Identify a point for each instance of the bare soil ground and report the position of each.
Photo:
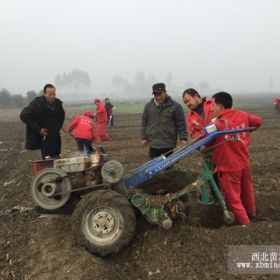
(33, 248)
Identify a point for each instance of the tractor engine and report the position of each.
(56, 179)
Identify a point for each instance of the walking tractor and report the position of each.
(104, 218)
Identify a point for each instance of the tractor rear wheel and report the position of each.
(104, 222)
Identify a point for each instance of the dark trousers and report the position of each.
(110, 121)
(84, 145)
(158, 152)
(51, 146)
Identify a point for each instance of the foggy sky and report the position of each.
(233, 45)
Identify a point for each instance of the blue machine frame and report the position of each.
(159, 164)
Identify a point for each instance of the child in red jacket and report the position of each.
(84, 132)
(231, 156)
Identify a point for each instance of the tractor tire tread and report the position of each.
(110, 198)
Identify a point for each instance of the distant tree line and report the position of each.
(142, 85)
(8, 100)
(68, 83)
(78, 80)
(139, 87)
(75, 79)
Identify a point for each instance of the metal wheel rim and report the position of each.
(112, 171)
(50, 202)
(101, 225)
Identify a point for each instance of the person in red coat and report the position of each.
(277, 104)
(101, 118)
(201, 112)
(84, 132)
(231, 157)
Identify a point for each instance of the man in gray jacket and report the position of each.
(163, 121)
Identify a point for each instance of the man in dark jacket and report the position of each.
(109, 109)
(44, 117)
(163, 122)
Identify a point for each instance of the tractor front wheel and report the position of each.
(104, 222)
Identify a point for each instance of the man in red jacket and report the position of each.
(201, 112)
(231, 156)
(84, 132)
(101, 117)
(277, 104)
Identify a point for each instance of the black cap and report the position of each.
(160, 87)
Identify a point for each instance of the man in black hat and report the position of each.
(163, 122)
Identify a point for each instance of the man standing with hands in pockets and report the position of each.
(163, 122)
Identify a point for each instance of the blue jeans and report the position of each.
(84, 146)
